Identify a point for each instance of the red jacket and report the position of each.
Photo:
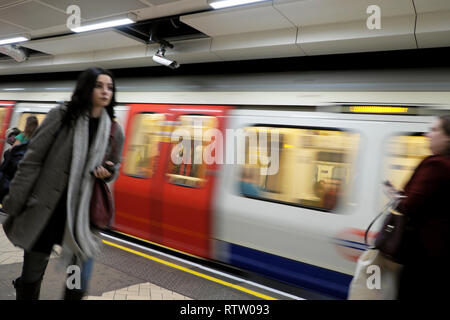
(427, 205)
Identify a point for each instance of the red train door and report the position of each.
(188, 185)
(6, 108)
(138, 190)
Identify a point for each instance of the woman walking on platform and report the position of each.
(425, 205)
(49, 198)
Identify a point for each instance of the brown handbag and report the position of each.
(101, 208)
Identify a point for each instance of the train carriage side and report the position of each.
(305, 223)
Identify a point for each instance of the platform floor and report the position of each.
(107, 283)
(126, 270)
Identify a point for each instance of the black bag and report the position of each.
(8, 167)
(391, 239)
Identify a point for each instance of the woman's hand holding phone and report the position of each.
(104, 171)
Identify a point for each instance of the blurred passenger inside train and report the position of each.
(142, 166)
(180, 166)
(249, 182)
(10, 138)
(320, 188)
(49, 198)
(31, 125)
(426, 205)
(331, 194)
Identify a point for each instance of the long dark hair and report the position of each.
(31, 125)
(81, 101)
(445, 123)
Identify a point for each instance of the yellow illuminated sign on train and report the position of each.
(378, 109)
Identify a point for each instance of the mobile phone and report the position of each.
(108, 167)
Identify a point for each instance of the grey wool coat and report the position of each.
(42, 177)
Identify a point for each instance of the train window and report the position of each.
(189, 167)
(314, 169)
(23, 118)
(143, 149)
(404, 153)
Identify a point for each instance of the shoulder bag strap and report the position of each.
(390, 203)
(111, 138)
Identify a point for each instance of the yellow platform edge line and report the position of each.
(158, 244)
(198, 274)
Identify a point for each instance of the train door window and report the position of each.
(142, 152)
(23, 118)
(2, 119)
(314, 169)
(187, 165)
(2, 115)
(404, 153)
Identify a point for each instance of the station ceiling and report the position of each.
(269, 29)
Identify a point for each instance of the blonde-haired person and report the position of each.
(31, 125)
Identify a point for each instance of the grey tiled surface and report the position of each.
(107, 283)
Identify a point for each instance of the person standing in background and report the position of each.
(10, 138)
(31, 125)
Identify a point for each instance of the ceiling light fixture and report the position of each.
(129, 19)
(17, 39)
(219, 4)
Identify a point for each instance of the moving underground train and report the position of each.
(276, 173)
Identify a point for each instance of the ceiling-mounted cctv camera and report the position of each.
(161, 59)
(164, 61)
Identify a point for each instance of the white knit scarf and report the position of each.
(78, 239)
